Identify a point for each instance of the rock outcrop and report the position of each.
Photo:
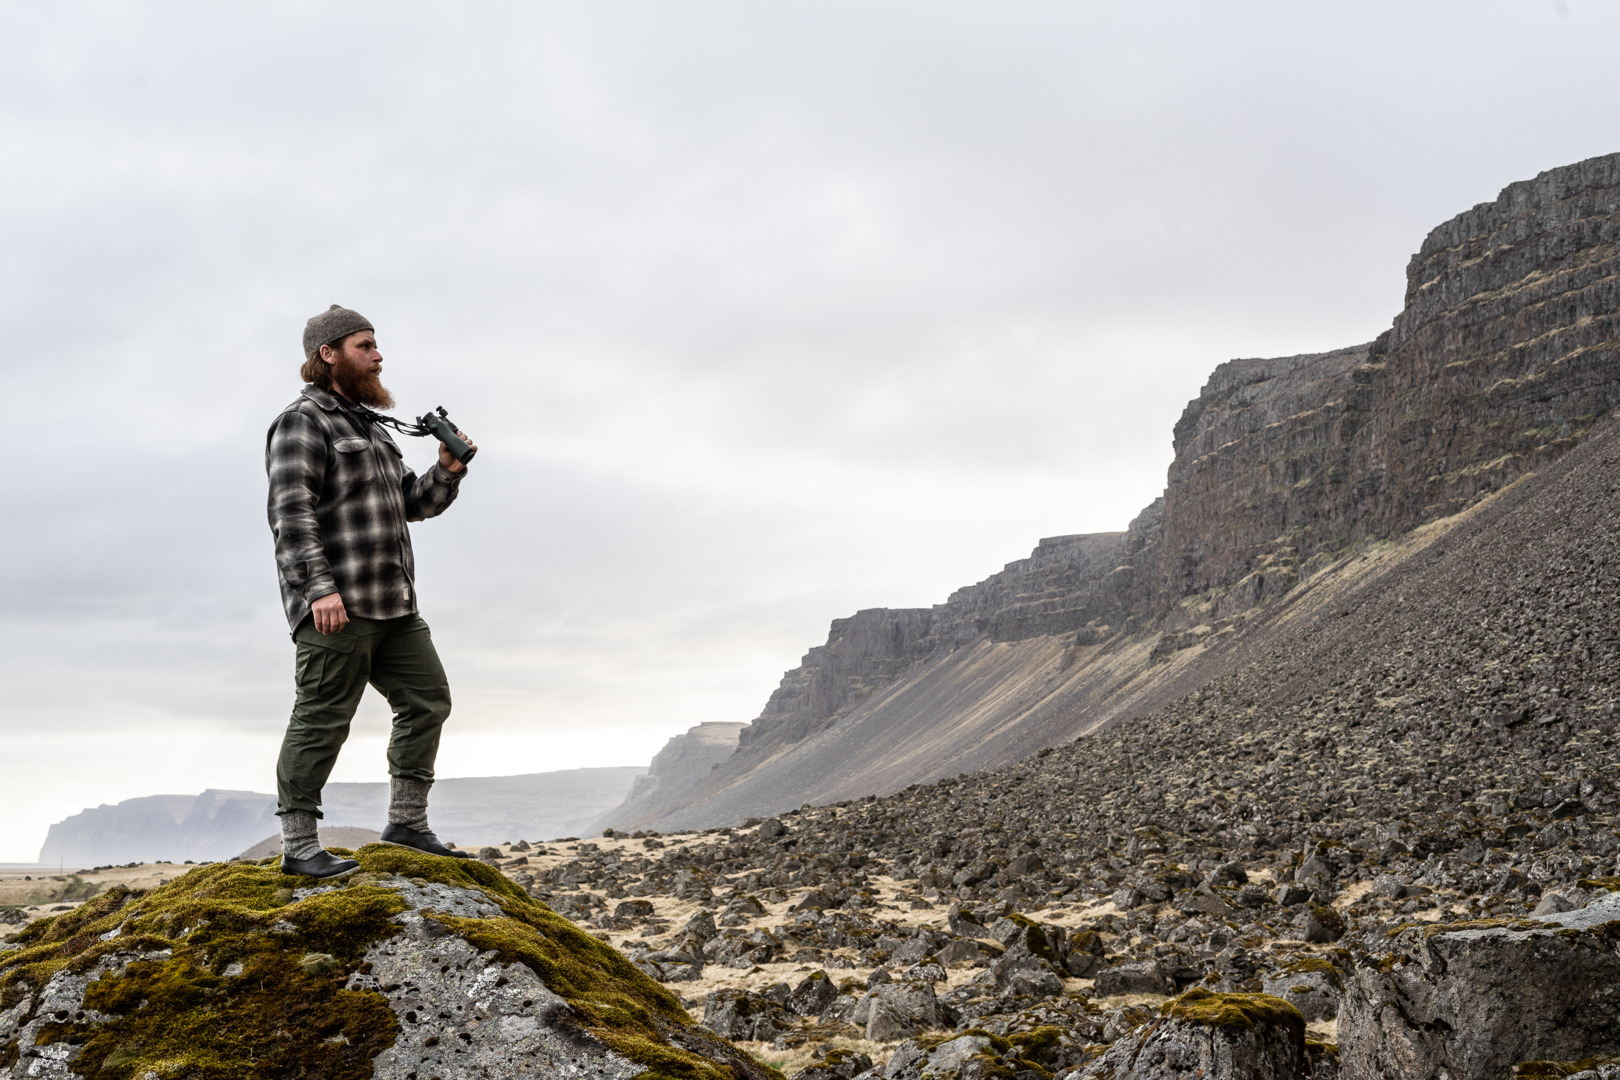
(415, 967)
(1501, 360)
(1206, 1036)
(1471, 1000)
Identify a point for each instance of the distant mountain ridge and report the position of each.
(219, 824)
(1502, 359)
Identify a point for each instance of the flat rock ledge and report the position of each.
(416, 969)
(1470, 1001)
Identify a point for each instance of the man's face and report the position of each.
(357, 370)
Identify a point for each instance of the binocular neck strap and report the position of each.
(379, 418)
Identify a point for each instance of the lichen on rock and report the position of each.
(1473, 999)
(416, 966)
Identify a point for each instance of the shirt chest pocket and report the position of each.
(354, 465)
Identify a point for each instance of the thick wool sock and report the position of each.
(407, 803)
(299, 840)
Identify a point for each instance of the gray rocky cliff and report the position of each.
(1501, 360)
(1043, 594)
(684, 760)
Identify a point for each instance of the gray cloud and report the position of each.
(761, 312)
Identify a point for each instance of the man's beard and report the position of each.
(360, 385)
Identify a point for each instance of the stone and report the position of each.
(1320, 924)
(1127, 898)
(1033, 983)
(1085, 954)
(1553, 904)
(1310, 984)
(1567, 1070)
(1211, 1036)
(633, 909)
(929, 970)
(963, 924)
(914, 999)
(742, 1014)
(701, 926)
(1473, 999)
(908, 1058)
(1390, 886)
(814, 994)
(813, 900)
(410, 948)
(886, 1023)
(1288, 894)
(960, 951)
(1024, 865)
(838, 1064)
(955, 1053)
(1125, 1019)
(1203, 903)
(1136, 977)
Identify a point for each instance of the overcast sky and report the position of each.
(761, 312)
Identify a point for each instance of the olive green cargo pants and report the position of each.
(394, 655)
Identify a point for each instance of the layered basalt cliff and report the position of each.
(1046, 593)
(1502, 358)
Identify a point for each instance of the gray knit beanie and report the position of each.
(333, 324)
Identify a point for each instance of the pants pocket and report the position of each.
(321, 657)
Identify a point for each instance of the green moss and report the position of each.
(1200, 1006)
(935, 1040)
(1555, 1070)
(1607, 884)
(1309, 963)
(612, 998)
(180, 1015)
(1431, 929)
(1037, 1049)
(177, 1014)
(1037, 1041)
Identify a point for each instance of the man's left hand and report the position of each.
(450, 462)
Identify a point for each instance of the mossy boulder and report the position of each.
(982, 1055)
(1212, 1036)
(1471, 1000)
(1605, 1068)
(415, 966)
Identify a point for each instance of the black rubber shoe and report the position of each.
(424, 842)
(322, 864)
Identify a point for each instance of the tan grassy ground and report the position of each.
(40, 892)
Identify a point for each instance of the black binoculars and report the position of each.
(438, 423)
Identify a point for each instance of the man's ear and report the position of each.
(329, 355)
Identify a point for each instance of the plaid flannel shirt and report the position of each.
(340, 497)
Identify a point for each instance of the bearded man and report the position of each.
(340, 498)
